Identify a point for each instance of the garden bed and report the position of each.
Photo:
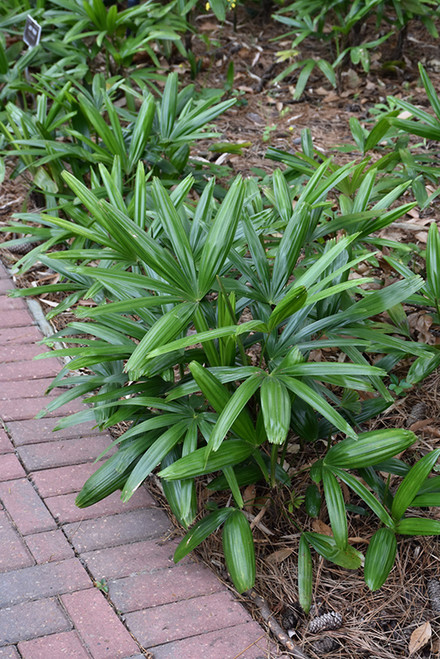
(379, 624)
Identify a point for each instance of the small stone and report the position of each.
(255, 118)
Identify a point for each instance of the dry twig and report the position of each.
(274, 627)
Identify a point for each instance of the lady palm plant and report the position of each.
(92, 27)
(201, 336)
(387, 158)
(341, 24)
(87, 29)
(69, 129)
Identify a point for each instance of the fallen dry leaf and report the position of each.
(419, 425)
(345, 492)
(430, 430)
(356, 540)
(405, 115)
(420, 637)
(422, 236)
(423, 326)
(279, 556)
(321, 527)
(249, 497)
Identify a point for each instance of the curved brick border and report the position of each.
(53, 555)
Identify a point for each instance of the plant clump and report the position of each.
(237, 329)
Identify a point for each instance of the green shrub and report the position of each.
(69, 129)
(86, 30)
(201, 337)
(341, 25)
(205, 316)
(401, 164)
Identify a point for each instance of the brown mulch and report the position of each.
(378, 625)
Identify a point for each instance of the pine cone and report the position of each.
(21, 248)
(325, 644)
(418, 412)
(318, 608)
(434, 594)
(330, 620)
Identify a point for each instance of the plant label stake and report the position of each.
(32, 32)
(31, 36)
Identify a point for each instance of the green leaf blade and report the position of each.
(366, 496)
(326, 546)
(276, 408)
(153, 457)
(233, 408)
(379, 558)
(238, 547)
(336, 508)
(412, 483)
(316, 401)
(204, 461)
(304, 575)
(433, 261)
(369, 449)
(418, 526)
(221, 234)
(200, 532)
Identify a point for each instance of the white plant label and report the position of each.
(32, 32)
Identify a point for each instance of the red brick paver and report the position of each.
(49, 546)
(28, 407)
(6, 446)
(10, 467)
(246, 641)
(44, 580)
(44, 368)
(55, 557)
(96, 621)
(31, 620)
(19, 335)
(131, 558)
(55, 646)
(157, 587)
(28, 389)
(63, 480)
(21, 351)
(212, 612)
(9, 653)
(64, 510)
(37, 431)
(13, 553)
(62, 453)
(117, 529)
(9, 303)
(29, 513)
(5, 285)
(17, 318)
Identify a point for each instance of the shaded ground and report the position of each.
(375, 625)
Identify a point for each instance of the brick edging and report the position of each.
(56, 558)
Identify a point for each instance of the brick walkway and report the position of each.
(52, 554)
